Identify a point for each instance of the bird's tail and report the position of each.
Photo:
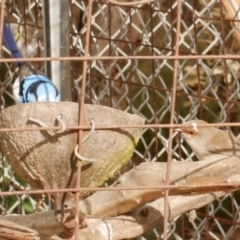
(10, 42)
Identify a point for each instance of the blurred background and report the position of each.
(207, 88)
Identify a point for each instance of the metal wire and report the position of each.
(130, 68)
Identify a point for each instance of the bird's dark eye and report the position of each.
(189, 132)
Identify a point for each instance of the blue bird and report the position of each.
(31, 85)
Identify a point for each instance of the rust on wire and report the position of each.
(107, 58)
(228, 113)
(130, 3)
(1, 32)
(175, 54)
(172, 115)
(1, 23)
(104, 127)
(210, 188)
(81, 107)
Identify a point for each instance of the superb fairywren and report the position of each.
(31, 85)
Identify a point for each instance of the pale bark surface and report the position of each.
(128, 213)
(48, 162)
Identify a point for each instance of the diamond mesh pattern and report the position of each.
(207, 88)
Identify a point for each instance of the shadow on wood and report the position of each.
(48, 162)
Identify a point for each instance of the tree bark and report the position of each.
(129, 213)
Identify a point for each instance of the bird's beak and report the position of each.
(178, 129)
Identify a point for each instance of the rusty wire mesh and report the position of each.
(206, 88)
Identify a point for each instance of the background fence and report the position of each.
(206, 87)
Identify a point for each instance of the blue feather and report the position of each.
(31, 85)
(10, 42)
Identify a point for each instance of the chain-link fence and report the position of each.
(207, 87)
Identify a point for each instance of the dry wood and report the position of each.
(135, 223)
(153, 174)
(48, 162)
(13, 231)
(144, 218)
(232, 9)
(107, 204)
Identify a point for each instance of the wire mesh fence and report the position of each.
(120, 77)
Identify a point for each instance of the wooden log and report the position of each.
(105, 209)
(48, 162)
